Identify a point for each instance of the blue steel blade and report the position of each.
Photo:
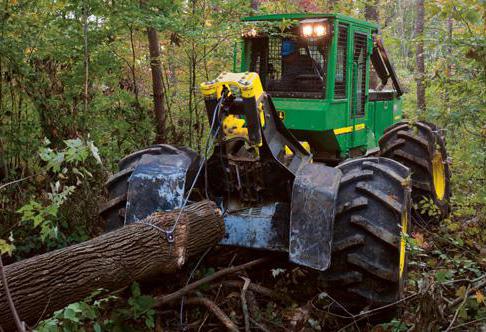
(264, 227)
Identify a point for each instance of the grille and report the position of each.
(274, 59)
(259, 56)
(340, 82)
(301, 74)
(359, 59)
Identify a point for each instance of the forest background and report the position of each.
(76, 95)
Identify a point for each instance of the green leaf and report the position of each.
(48, 325)
(443, 275)
(96, 327)
(6, 248)
(135, 288)
(150, 322)
(37, 220)
(70, 314)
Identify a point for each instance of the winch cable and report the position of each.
(169, 234)
(209, 144)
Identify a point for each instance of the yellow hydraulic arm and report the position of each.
(246, 118)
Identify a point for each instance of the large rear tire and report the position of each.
(368, 265)
(421, 147)
(113, 211)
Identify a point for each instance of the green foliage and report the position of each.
(5, 247)
(65, 171)
(79, 315)
(395, 325)
(44, 216)
(427, 207)
(104, 313)
(140, 309)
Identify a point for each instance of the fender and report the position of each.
(159, 182)
(312, 213)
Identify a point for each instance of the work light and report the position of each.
(307, 30)
(315, 28)
(320, 30)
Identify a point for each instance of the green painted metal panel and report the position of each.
(370, 116)
(245, 56)
(371, 141)
(382, 114)
(311, 114)
(331, 66)
(302, 16)
(235, 56)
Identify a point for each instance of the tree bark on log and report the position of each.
(43, 284)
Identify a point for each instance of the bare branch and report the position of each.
(20, 325)
(5, 185)
(215, 310)
(244, 305)
(458, 309)
(161, 300)
(259, 289)
(468, 291)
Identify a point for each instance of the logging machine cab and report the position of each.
(329, 78)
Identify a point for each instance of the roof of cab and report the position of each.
(302, 16)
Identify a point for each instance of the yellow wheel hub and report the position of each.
(438, 174)
(403, 244)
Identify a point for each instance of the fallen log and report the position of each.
(43, 284)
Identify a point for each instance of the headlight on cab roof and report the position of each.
(315, 28)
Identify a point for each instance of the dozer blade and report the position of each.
(265, 227)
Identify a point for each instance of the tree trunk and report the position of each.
(371, 14)
(450, 24)
(371, 11)
(157, 86)
(86, 70)
(134, 71)
(3, 162)
(46, 283)
(419, 56)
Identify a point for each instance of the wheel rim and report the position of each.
(403, 244)
(438, 174)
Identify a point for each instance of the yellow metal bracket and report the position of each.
(249, 86)
(247, 83)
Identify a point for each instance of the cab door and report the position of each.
(359, 87)
(360, 64)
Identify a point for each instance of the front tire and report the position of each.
(368, 264)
